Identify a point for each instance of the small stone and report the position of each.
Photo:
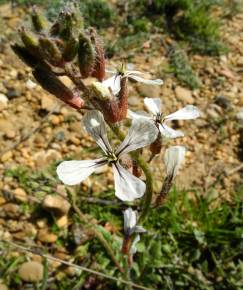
(56, 204)
(62, 222)
(11, 210)
(6, 156)
(46, 237)
(52, 155)
(10, 134)
(30, 84)
(3, 102)
(55, 120)
(133, 101)
(75, 140)
(223, 102)
(3, 287)
(212, 113)
(148, 91)
(31, 271)
(184, 95)
(48, 103)
(239, 116)
(13, 93)
(20, 194)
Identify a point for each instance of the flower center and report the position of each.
(159, 118)
(111, 157)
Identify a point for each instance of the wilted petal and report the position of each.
(130, 219)
(157, 82)
(114, 83)
(142, 133)
(139, 229)
(173, 158)
(75, 171)
(153, 105)
(137, 115)
(95, 125)
(127, 186)
(186, 113)
(134, 245)
(169, 132)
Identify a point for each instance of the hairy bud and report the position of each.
(86, 55)
(29, 40)
(39, 22)
(70, 49)
(100, 92)
(99, 66)
(156, 146)
(50, 51)
(49, 81)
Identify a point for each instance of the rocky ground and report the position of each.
(36, 129)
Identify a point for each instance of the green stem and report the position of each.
(149, 179)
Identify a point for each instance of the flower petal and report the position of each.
(75, 171)
(169, 132)
(153, 105)
(114, 83)
(137, 115)
(95, 125)
(127, 186)
(157, 82)
(142, 133)
(186, 113)
(133, 249)
(130, 219)
(173, 158)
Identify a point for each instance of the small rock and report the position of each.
(10, 134)
(212, 113)
(184, 95)
(62, 222)
(13, 93)
(52, 155)
(30, 84)
(48, 103)
(5, 126)
(31, 271)
(56, 203)
(148, 91)
(239, 116)
(3, 287)
(46, 237)
(55, 120)
(75, 140)
(6, 156)
(20, 194)
(12, 210)
(3, 102)
(223, 102)
(226, 72)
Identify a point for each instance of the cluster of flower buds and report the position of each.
(66, 48)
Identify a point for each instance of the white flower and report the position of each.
(114, 82)
(127, 186)
(130, 222)
(133, 249)
(154, 107)
(174, 156)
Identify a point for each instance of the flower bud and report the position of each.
(174, 156)
(70, 49)
(25, 55)
(86, 55)
(100, 92)
(39, 21)
(29, 40)
(99, 66)
(156, 146)
(49, 81)
(50, 51)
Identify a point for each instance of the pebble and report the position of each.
(56, 204)
(20, 194)
(13, 93)
(75, 140)
(10, 134)
(48, 103)
(31, 271)
(184, 95)
(30, 84)
(3, 287)
(55, 120)
(239, 116)
(11, 210)
(223, 102)
(62, 222)
(46, 237)
(3, 102)
(6, 156)
(148, 91)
